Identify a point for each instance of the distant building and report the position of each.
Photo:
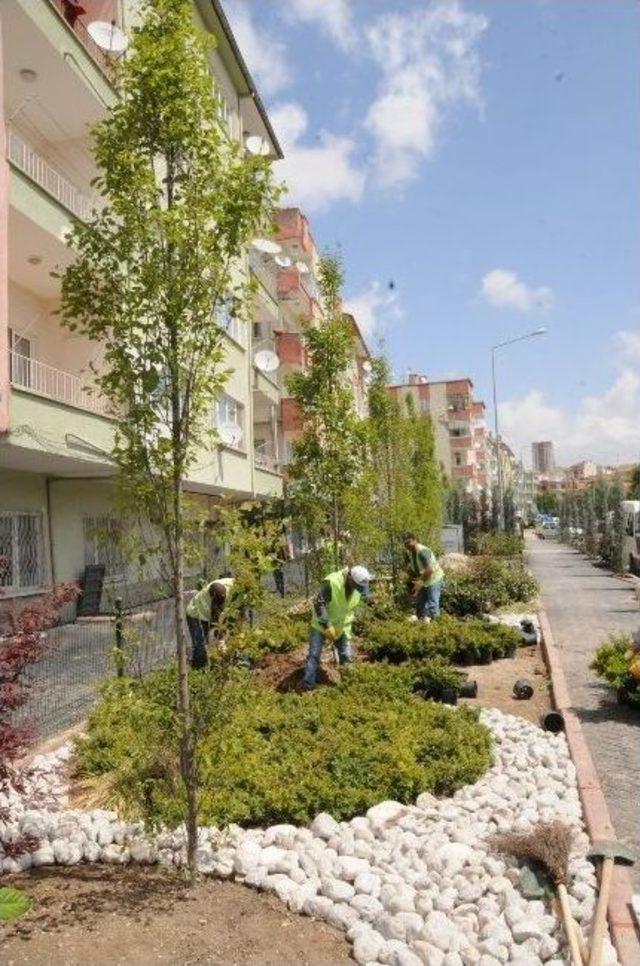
(543, 457)
(459, 427)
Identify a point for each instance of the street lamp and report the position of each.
(494, 348)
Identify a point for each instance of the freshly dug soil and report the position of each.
(141, 916)
(495, 681)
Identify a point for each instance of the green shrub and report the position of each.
(267, 757)
(489, 583)
(272, 635)
(453, 640)
(612, 663)
(435, 676)
(506, 545)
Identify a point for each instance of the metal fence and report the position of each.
(82, 655)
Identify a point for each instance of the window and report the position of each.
(102, 536)
(19, 360)
(229, 412)
(21, 551)
(458, 458)
(232, 326)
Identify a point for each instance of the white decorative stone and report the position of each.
(337, 890)
(324, 826)
(367, 946)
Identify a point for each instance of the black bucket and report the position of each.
(468, 689)
(523, 689)
(552, 721)
(449, 696)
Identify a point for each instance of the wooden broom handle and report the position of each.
(600, 921)
(567, 919)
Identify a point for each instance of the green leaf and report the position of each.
(13, 904)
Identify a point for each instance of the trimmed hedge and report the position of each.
(462, 642)
(266, 757)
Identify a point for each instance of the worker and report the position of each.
(333, 611)
(425, 576)
(203, 612)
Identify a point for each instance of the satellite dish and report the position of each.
(366, 366)
(266, 360)
(108, 36)
(302, 267)
(283, 261)
(256, 145)
(267, 246)
(230, 433)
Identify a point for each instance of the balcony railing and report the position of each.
(24, 157)
(44, 380)
(265, 460)
(265, 272)
(79, 27)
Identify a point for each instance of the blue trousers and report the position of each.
(428, 601)
(199, 631)
(316, 643)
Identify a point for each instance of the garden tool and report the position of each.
(548, 846)
(535, 883)
(610, 853)
(330, 636)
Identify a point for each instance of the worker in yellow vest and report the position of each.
(203, 612)
(333, 612)
(425, 576)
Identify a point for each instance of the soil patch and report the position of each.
(284, 672)
(141, 916)
(496, 680)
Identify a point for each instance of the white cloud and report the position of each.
(604, 428)
(333, 16)
(316, 175)
(373, 309)
(429, 61)
(504, 289)
(266, 57)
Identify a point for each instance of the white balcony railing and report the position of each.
(44, 380)
(264, 459)
(24, 157)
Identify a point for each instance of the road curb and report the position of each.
(622, 924)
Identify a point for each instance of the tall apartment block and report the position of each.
(543, 457)
(55, 435)
(459, 426)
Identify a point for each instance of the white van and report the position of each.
(631, 545)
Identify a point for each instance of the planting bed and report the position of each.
(410, 884)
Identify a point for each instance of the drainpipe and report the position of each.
(52, 562)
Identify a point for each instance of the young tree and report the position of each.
(617, 496)
(329, 455)
(509, 511)
(426, 477)
(153, 268)
(484, 511)
(634, 484)
(590, 522)
(495, 509)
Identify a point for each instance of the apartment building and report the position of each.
(543, 457)
(297, 293)
(55, 434)
(459, 426)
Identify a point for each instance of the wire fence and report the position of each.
(81, 655)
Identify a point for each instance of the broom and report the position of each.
(548, 845)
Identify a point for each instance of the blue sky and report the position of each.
(483, 156)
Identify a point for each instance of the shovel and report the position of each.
(610, 853)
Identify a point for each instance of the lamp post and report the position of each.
(494, 348)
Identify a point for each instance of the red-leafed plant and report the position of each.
(22, 643)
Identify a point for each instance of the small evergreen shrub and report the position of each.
(619, 666)
(489, 583)
(267, 757)
(435, 676)
(507, 545)
(455, 641)
(273, 635)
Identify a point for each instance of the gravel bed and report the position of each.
(409, 884)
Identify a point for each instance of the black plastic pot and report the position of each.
(468, 689)
(552, 721)
(622, 695)
(485, 657)
(465, 658)
(523, 689)
(510, 650)
(449, 696)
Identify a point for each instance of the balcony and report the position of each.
(461, 441)
(464, 472)
(77, 19)
(23, 157)
(264, 458)
(41, 379)
(291, 288)
(294, 229)
(264, 269)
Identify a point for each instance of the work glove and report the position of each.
(330, 633)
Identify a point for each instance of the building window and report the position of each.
(21, 551)
(458, 459)
(233, 326)
(229, 412)
(20, 360)
(102, 544)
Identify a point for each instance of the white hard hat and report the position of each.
(361, 577)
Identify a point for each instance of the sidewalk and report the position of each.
(585, 604)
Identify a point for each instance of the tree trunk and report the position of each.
(187, 738)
